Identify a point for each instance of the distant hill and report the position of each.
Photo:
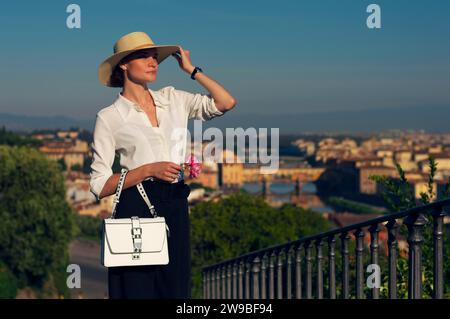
(429, 118)
(21, 123)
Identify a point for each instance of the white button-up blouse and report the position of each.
(125, 128)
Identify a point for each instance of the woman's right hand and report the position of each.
(167, 171)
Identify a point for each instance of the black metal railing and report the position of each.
(276, 272)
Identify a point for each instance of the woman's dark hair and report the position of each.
(117, 76)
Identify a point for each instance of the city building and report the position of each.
(367, 186)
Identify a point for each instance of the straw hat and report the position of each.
(128, 44)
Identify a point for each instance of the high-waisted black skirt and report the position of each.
(171, 281)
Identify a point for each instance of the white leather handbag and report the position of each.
(134, 241)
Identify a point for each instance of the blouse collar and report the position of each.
(125, 105)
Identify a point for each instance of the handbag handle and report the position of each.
(118, 191)
(141, 192)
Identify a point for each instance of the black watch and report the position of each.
(197, 69)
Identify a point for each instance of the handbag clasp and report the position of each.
(136, 235)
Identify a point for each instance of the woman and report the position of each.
(139, 126)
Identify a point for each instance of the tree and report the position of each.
(8, 283)
(89, 227)
(243, 223)
(10, 138)
(85, 135)
(37, 222)
(62, 164)
(76, 167)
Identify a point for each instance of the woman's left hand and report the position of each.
(184, 60)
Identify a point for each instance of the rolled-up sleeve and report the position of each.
(199, 106)
(103, 153)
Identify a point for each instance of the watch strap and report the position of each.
(197, 69)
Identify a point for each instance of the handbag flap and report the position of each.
(119, 238)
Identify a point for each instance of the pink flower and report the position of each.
(194, 166)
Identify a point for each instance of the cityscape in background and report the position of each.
(327, 174)
(311, 167)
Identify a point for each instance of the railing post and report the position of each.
(224, 282)
(298, 272)
(288, 273)
(319, 279)
(263, 277)
(255, 277)
(272, 275)
(205, 290)
(218, 290)
(392, 227)
(247, 278)
(229, 269)
(279, 275)
(207, 295)
(438, 253)
(374, 229)
(235, 280)
(240, 280)
(213, 284)
(415, 225)
(308, 259)
(332, 267)
(345, 271)
(359, 236)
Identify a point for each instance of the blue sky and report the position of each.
(276, 57)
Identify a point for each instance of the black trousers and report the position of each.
(172, 281)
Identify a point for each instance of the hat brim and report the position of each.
(107, 67)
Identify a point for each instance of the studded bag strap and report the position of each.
(118, 191)
(149, 204)
(146, 199)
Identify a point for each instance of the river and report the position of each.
(281, 193)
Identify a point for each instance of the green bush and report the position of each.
(11, 139)
(37, 222)
(76, 167)
(8, 283)
(62, 164)
(341, 203)
(89, 227)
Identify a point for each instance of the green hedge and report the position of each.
(343, 204)
(89, 227)
(37, 222)
(8, 283)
